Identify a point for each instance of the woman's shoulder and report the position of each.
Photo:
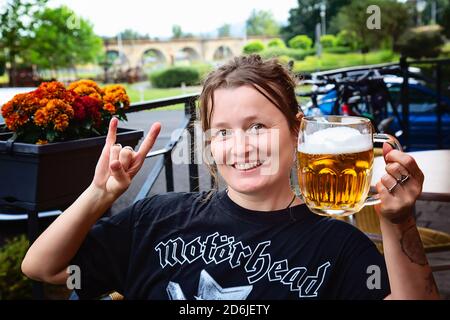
(173, 198)
(170, 203)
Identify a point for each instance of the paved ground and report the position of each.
(430, 214)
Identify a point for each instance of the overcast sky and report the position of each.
(157, 17)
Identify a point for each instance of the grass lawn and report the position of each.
(153, 94)
(333, 61)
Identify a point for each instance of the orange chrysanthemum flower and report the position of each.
(86, 88)
(116, 95)
(46, 113)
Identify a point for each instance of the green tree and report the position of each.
(395, 19)
(61, 39)
(176, 31)
(303, 18)
(426, 16)
(224, 30)
(129, 34)
(262, 23)
(16, 19)
(446, 21)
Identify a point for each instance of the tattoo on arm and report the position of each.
(412, 246)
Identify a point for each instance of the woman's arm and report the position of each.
(409, 273)
(49, 256)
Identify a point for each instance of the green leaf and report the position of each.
(51, 135)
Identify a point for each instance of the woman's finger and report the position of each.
(396, 170)
(406, 161)
(118, 172)
(147, 144)
(125, 156)
(114, 154)
(390, 183)
(103, 162)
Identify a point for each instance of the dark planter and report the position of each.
(51, 176)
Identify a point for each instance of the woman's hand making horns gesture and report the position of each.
(118, 165)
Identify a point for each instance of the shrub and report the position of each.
(296, 54)
(203, 69)
(426, 41)
(347, 38)
(174, 77)
(276, 43)
(13, 284)
(301, 42)
(328, 41)
(253, 47)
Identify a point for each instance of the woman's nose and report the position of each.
(243, 146)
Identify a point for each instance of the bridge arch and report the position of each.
(117, 58)
(223, 52)
(187, 53)
(152, 57)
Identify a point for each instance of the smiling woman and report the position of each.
(254, 240)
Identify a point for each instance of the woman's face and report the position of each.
(250, 140)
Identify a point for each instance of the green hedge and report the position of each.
(301, 42)
(295, 54)
(175, 77)
(253, 47)
(421, 42)
(276, 43)
(347, 38)
(328, 41)
(13, 284)
(338, 50)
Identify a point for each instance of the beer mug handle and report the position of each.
(393, 142)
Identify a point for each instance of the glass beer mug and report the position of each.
(334, 163)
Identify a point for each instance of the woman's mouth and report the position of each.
(247, 166)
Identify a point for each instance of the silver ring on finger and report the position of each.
(403, 179)
(391, 189)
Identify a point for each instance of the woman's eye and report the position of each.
(222, 133)
(256, 128)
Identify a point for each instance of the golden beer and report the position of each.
(336, 183)
(334, 163)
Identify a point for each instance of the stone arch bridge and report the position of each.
(134, 53)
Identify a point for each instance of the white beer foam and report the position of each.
(336, 140)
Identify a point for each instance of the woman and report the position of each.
(254, 240)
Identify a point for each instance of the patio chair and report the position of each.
(433, 240)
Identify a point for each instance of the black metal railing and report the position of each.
(190, 116)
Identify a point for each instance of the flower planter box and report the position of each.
(51, 176)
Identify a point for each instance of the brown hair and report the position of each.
(268, 77)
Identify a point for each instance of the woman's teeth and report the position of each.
(247, 166)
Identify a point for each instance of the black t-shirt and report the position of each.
(181, 246)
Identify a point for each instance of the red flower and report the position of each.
(78, 109)
(87, 106)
